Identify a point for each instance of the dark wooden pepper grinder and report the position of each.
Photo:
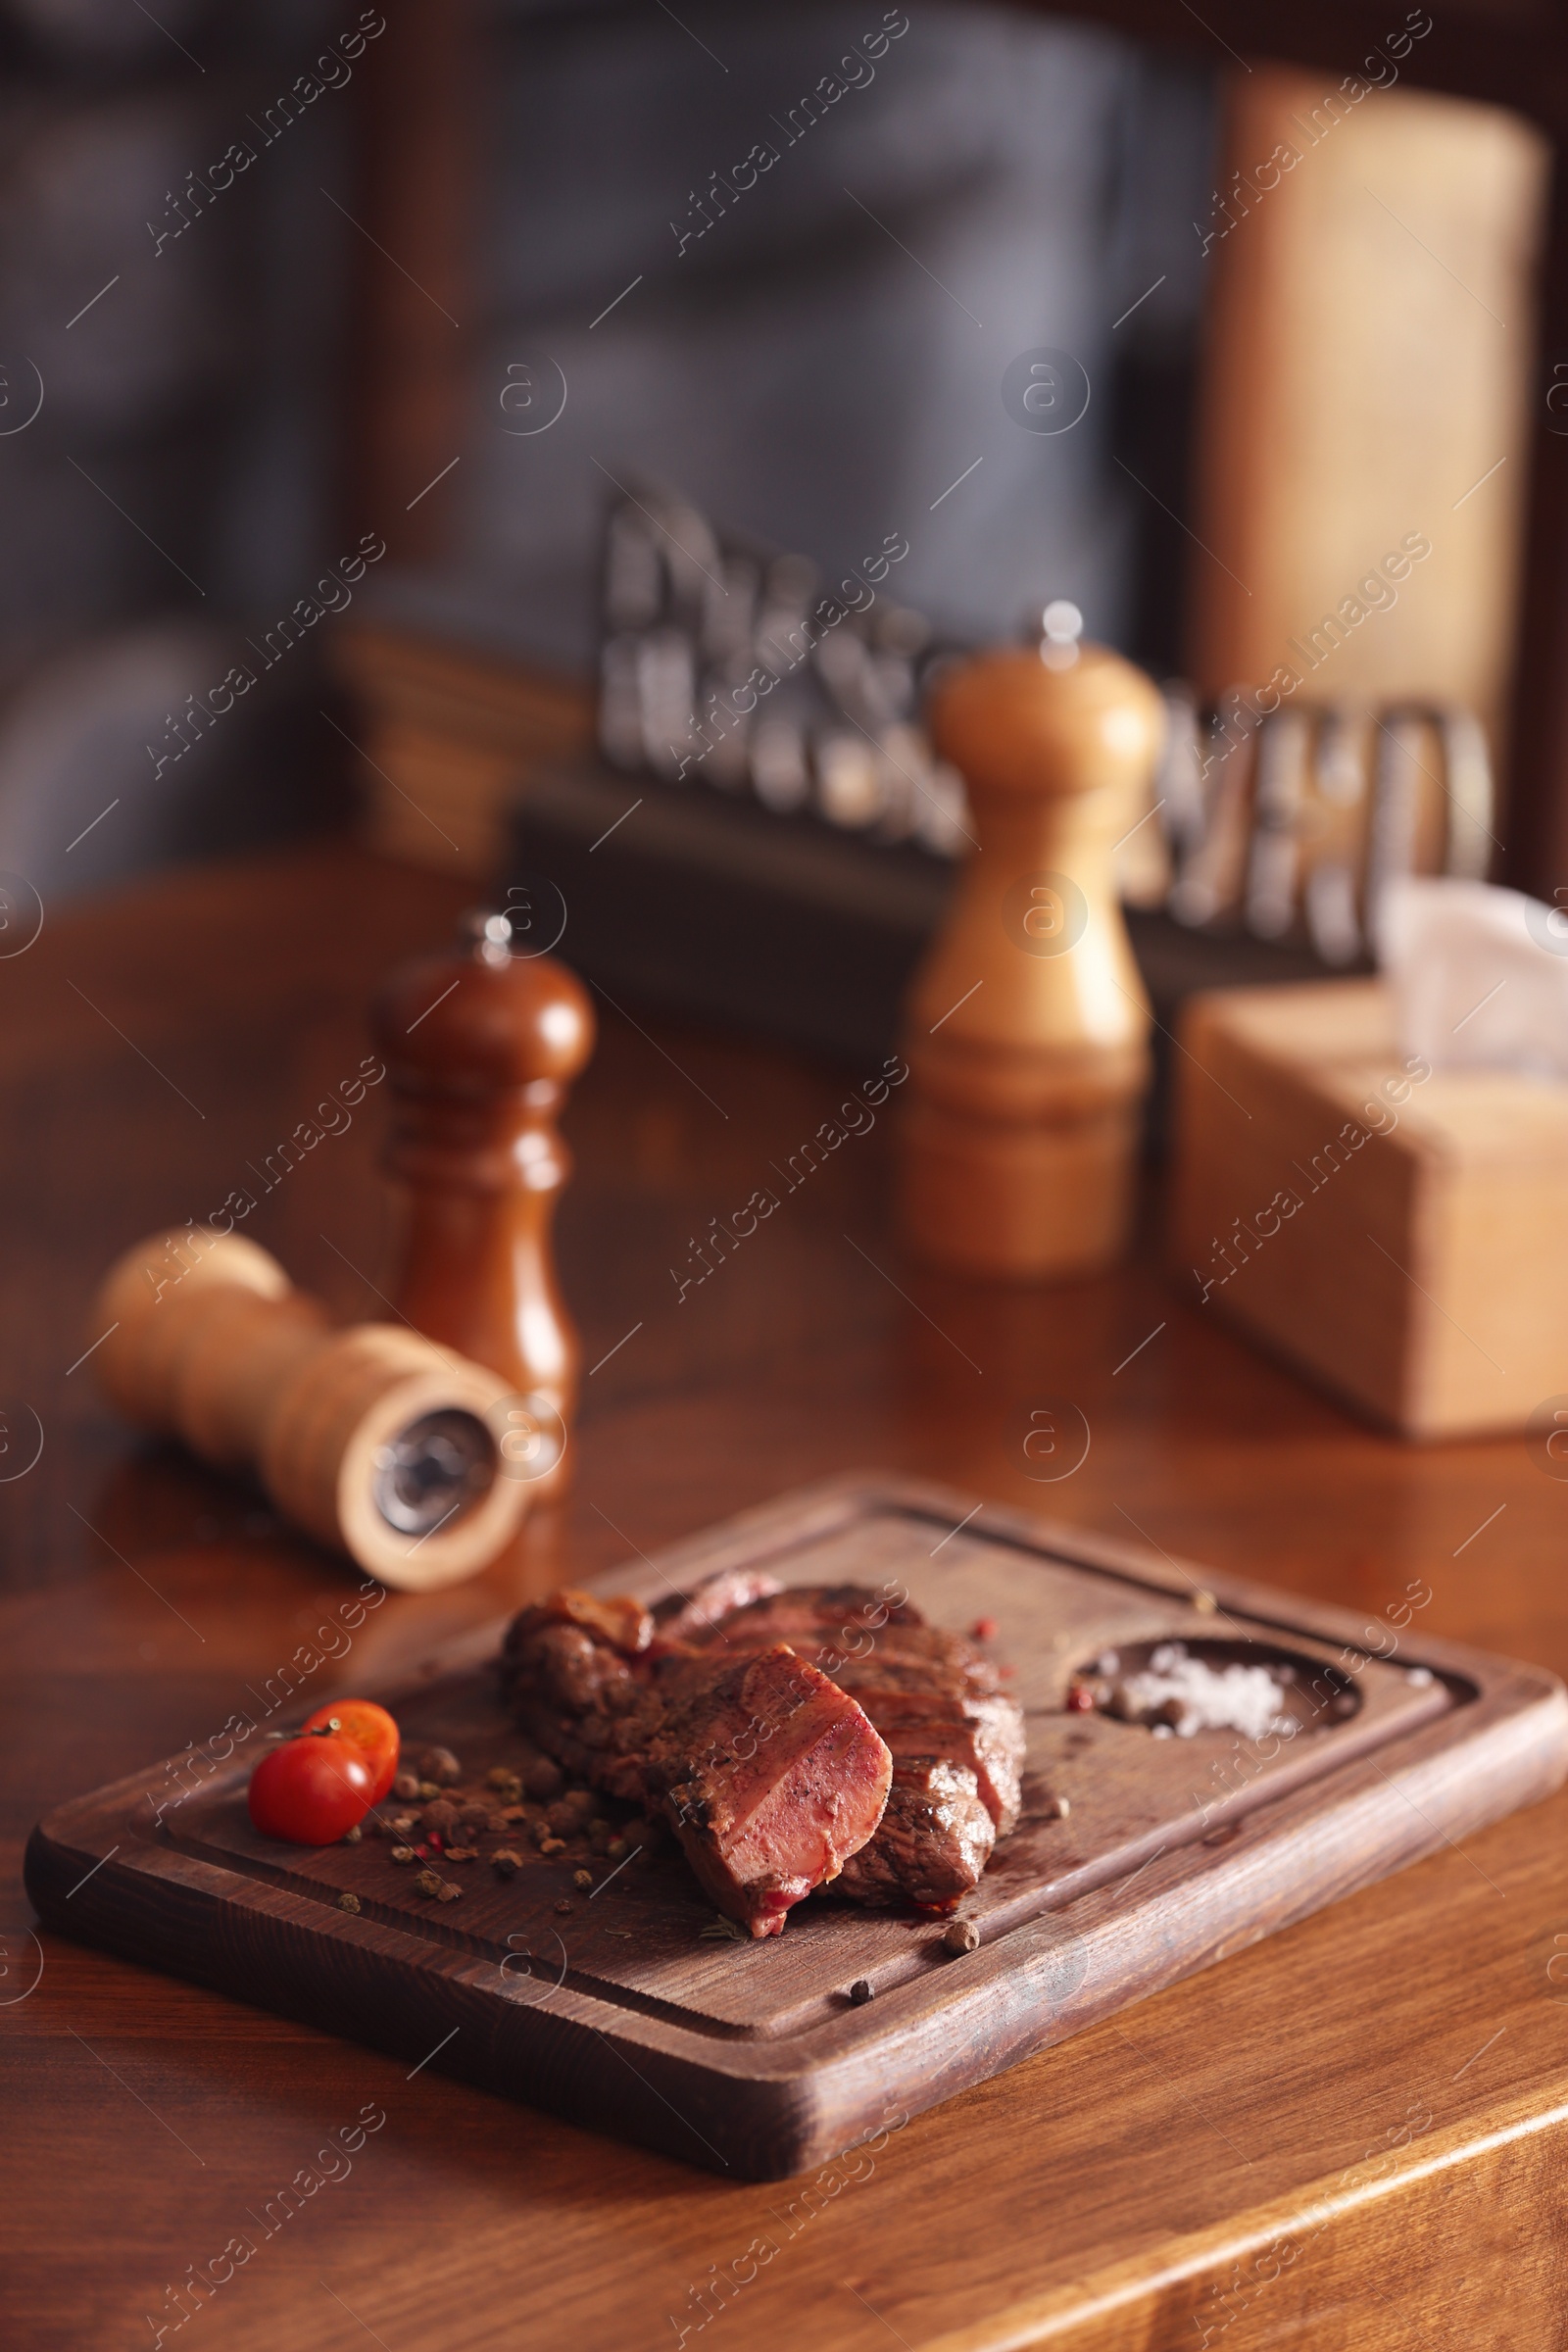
(482, 1046)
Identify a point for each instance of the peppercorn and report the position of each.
(962, 1937)
(404, 1853)
(352, 1836)
(582, 1879)
(543, 1780)
(563, 1908)
(551, 1845)
(462, 1853)
(507, 1862)
(406, 1786)
(448, 1892)
(348, 1902)
(427, 1884)
(861, 1992)
(441, 1765)
(617, 1849)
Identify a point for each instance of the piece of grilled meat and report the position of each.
(771, 1725)
(956, 1738)
(770, 1776)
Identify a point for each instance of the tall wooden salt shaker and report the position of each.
(1026, 1026)
(482, 1046)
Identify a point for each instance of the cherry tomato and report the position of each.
(371, 1730)
(310, 1789)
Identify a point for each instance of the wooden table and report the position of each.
(1379, 2097)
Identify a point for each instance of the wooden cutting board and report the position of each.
(615, 2010)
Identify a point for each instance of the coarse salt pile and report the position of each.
(1184, 1694)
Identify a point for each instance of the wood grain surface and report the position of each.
(1351, 2133)
(758, 2062)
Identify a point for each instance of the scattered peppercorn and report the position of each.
(507, 1862)
(404, 1853)
(543, 1780)
(617, 1849)
(583, 1879)
(962, 1937)
(505, 1782)
(440, 1764)
(406, 1786)
(551, 1845)
(427, 1884)
(861, 1992)
(348, 1902)
(562, 1907)
(443, 1817)
(352, 1836)
(474, 1815)
(427, 1790)
(462, 1853)
(448, 1892)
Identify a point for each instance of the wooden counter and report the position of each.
(1345, 2136)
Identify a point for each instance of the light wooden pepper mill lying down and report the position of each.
(372, 1438)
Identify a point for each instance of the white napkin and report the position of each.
(1480, 975)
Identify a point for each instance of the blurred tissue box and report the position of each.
(1480, 976)
(1371, 1176)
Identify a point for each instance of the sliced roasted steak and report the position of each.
(772, 1779)
(932, 1842)
(931, 1693)
(769, 1774)
(647, 1710)
(693, 1616)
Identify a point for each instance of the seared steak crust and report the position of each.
(934, 1840)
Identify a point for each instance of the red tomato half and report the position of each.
(310, 1789)
(371, 1730)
